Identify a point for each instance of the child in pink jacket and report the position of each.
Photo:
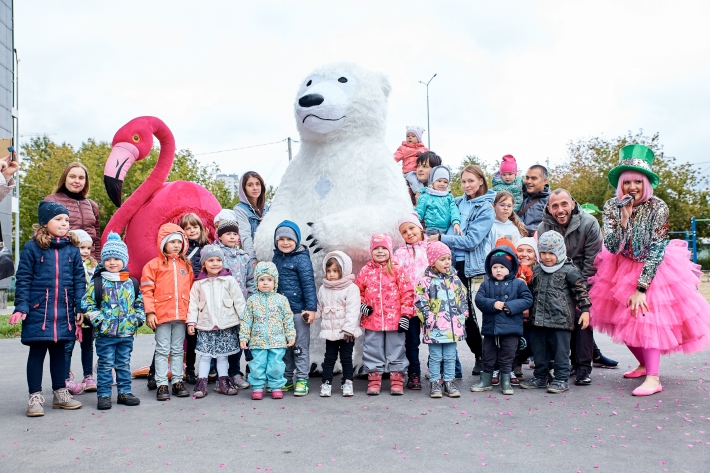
(410, 149)
(387, 297)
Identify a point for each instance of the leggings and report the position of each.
(648, 357)
(222, 366)
(35, 365)
(87, 353)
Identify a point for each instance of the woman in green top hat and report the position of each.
(645, 291)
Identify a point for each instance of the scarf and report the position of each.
(340, 284)
(552, 269)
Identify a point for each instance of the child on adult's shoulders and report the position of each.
(410, 149)
(436, 206)
(507, 179)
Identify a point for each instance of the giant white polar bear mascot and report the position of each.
(343, 181)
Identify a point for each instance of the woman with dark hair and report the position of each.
(469, 250)
(72, 191)
(250, 210)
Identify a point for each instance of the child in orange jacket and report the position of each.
(166, 284)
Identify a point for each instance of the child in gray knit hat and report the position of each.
(436, 207)
(558, 288)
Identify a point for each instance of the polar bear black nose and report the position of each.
(310, 100)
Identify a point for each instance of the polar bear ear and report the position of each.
(385, 84)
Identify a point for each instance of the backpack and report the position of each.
(99, 288)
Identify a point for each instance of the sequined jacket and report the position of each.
(643, 239)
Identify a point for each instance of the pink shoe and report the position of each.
(635, 374)
(645, 392)
(89, 384)
(75, 388)
(277, 394)
(258, 395)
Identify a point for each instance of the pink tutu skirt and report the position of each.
(679, 316)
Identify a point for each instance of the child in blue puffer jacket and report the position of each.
(436, 206)
(50, 285)
(297, 283)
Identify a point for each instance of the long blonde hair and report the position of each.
(44, 238)
(503, 195)
(61, 186)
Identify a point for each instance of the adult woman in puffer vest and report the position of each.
(71, 192)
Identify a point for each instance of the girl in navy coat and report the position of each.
(50, 285)
(502, 298)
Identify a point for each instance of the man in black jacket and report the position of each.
(535, 194)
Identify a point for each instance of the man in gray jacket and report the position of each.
(583, 239)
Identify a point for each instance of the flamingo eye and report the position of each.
(136, 138)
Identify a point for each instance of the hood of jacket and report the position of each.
(268, 269)
(203, 274)
(488, 197)
(507, 250)
(292, 226)
(242, 195)
(545, 192)
(165, 230)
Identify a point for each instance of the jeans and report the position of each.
(267, 365)
(301, 363)
(169, 338)
(332, 348)
(87, 353)
(458, 373)
(35, 365)
(411, 345)
(547, 344)
(113, 353)
(438, 353)
(500, 351)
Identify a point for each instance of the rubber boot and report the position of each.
(485, 383)
(374, 383)
(396, 383)
(505, 385)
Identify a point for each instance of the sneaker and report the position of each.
(603, 362)
(514, 381)
(518, 372)
(104, 403)
(572, 371)
(152, 384)
(347, 388)
(64, 400)
(163, 393)
(557, 387)
(240, 382)
(89, 384)
(325, 389)
(495, 380)
(190, 377)
(534, 383)
(531, 363)
(74, 387)
(179, 390)
(34, 405)
(301, 387)
(288, 386)
(413, 383)
(477, 368)
(451, 390)
(277, 394)
(257, 395)
(128, 399)
(435, 390)
(583, 380)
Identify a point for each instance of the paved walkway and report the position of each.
(596, 428)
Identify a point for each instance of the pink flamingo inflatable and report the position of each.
(155, 202)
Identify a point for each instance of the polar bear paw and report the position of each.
(313, 239)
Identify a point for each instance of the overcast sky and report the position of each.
(513, 77)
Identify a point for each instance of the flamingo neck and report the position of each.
(162, 168)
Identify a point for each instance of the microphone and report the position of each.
(625, 201)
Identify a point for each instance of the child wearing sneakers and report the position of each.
(436, 206)
(507, 179)
(166, 284)
(442, 307)
(387, 305)
(410, 149)
(267, 329)
(339, 309)
(114, 304)
(85, 337)
(293, 263)
(557, 287)
(215, 304)
(502, 298)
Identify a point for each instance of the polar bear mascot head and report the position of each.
(343, 186)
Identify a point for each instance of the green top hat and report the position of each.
(635, 158)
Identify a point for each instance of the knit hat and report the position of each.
(411, 217)
(227, 226)
(48, 210)
(531, 242)
(381, 239)
(417, 130)
(171, 237)
(508, 164)
(436, 250)
(501, 257)
(82, 236)
(552, 242)
(210, 251)
(265, 268)
(225, 214)
(285, 232)
(439, 172)
(114, 248)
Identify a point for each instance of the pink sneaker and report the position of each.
(277, 394)
(74, 387)
(89, 384)
(257, 395)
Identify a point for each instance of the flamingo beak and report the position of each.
(122, 157)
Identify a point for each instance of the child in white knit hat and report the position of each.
(410, 149)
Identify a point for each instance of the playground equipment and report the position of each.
(691, 236)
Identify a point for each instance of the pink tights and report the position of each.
(648, 357)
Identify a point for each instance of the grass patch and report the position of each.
(13, 331)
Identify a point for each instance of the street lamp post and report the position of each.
(427, 111)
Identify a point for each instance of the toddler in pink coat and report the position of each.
(410, 149)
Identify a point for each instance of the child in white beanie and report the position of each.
(410, 149)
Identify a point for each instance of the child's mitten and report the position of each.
(365, 309)
(403, 324)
